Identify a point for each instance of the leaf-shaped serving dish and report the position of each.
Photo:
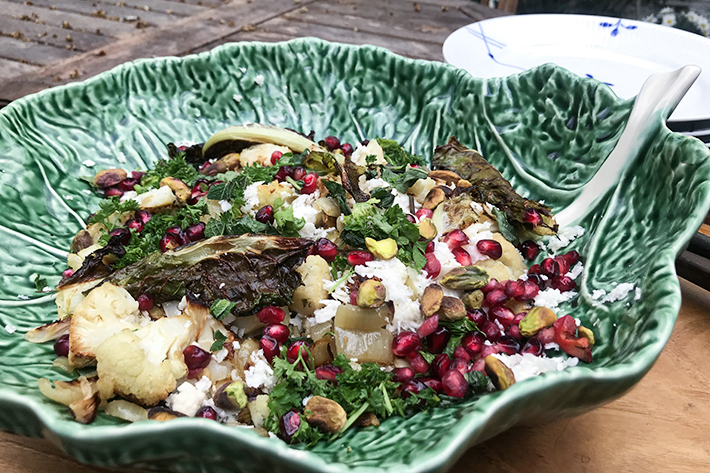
(547, 130)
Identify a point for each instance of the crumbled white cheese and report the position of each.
(121, 158)
(259, 80)
(23, 297)
(68, 197)
(204, 384)
(221, 285)
(576, 270)
(361, 153)
(86, 191)
(237, 98)
(187, 399)
(598, 294)
(243, 70)
(552, 298)
(394, 276)
(327, 312)
(185, 144)
(297, 321)
(341, 292)
(225, 205)
(251, 197)
(182, 304)
(577, 321)
(637, 294)
(260, 374)
(306, 399)
(619, 292)
(552, 346)
(527, 365)
(220, 355)
(89, 163)
(303, 208)
(9, 328)
(236, 345)
(564, 237)
(367, 185)
(445, 256)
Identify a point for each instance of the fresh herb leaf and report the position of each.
(477, 381)
(506, 229)
(226, 224)
(175, 167)
(108, 207)
(339, 264)
(221, 308)
(222, 191)
(384, 196)
(219, 339)
(40, 283)
(429, 357)
(370, 159)
(396, 155)
(408, 178)
(286, 223)
(458, 329)
(337, 191)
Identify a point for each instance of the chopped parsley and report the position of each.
(398, 156)
(175, 167)
(109, 207)
(219, 339)
(221, 308)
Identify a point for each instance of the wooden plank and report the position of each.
(427, 23)
(32, 53)
(479, 12)
(52, 35)
(203, 3)
(161, 6)
(56, 18)
(109, 11)
(206, 29)
(10, 68)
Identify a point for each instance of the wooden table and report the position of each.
(661, 425)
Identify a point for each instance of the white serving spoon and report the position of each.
(657, 99)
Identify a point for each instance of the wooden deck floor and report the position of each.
(44, 43)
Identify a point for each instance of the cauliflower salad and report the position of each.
(299, 288)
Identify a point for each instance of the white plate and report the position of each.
(621, 53)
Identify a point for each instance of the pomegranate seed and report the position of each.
(546, 335)
(533, 347)
(275, 156)
(67, 273)
(432, 268)
(438, 340)
(564, 265)
(519, 317)
(532, 216)
(61, 346)
(143, 215)
(328, 372)
(496, 297)
(289, 425)
(424, 213)
(123, 234)
(491, 331)
(137, 175)
(514, 289)
(365, 142)
(359, 257)
(168, 242)
(412, 386)
(174, 230)
(271, 315)
(530, 290)
(145, 302)
(502, 314)
(489, 350)
(293, 350)
(265, 214)
(563, 283)
(550, 267)
(461, 352)
(418, 363)
(429, 326)
(298, 173)
(310, 183)
(113, 192)
(455, 385)
(440, 365)
(278, 332)
(535, 278)
(270, 346)
(456, 239)
(460, 365)
(462, 256)
(347, 149)
(479, 365)
(477, 316)
(472, 342)
(402, 375)
(128, 184)
(326, 249)
(429, 247)
(332, 143)
(283, 173)
(135, 224)
(529, 249)
(353, 297)
(492, 285)
(535, 269)
(405, 343)
(195, 232)
(411, 218)
(508, 345)
(196, 358)
(513, 331)
(434, 384)
(571, 257)
(206, 412)
(490, 248)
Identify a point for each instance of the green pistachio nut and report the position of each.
(535, 320)
(473, 299)
(371, 294)
(231, 396)
(586, 333)
(501, 376)
(382, 249)
(468, 278)
(451, 309)
(431, 300)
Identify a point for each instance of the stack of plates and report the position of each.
(621, 53)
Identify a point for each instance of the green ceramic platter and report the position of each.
(547, 130)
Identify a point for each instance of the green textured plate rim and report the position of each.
(464, 434)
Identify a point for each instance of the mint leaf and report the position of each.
(287, 224)
(396, 155)
(221, 308)
(337, 191)
(222, 191)
(219, 339)
(384, 196)
(407, 180)
(506, 229)
(40, 283)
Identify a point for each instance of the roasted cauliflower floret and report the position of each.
(124, 366)
(307, 297)
(260, 154)
(268, 193)
(69, 297)
(107, 310)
